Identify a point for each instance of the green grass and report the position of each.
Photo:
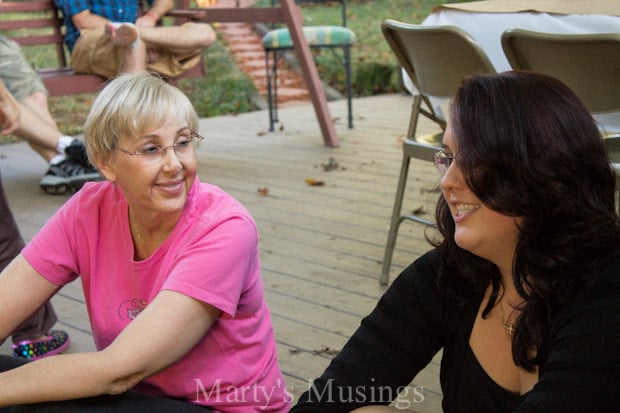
(226, 90)
(375, 69)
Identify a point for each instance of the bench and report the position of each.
(39, 23)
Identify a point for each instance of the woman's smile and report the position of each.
(171, 187)
(463, 209)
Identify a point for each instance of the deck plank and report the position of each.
(321, 246)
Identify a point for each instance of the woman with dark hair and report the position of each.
(522, 294)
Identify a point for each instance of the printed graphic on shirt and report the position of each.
(129, 310)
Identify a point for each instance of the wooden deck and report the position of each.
(321, 246)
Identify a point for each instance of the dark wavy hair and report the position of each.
(529, 148)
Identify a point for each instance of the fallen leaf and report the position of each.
(419, 210)
(314, 182)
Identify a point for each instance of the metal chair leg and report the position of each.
(395, 221)
(410, 150)
(347, 69)
(269, 93)
(276, 58)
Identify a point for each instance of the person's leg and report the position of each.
(187, 38)
(134, 58)
(141, 48)
(37, 101)
(94, 53)
(26, 86)
(68, 165)
(125, 37)
(107, 52)
(173, 50)
(40, 134)
(11, 244)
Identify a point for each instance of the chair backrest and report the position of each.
(588, 63)
(436, 57)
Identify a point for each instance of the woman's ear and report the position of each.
(104, 164)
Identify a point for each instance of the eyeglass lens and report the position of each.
(442, 161)
(184, 146)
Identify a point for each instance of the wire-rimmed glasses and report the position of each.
(442, 161)
(150, 153)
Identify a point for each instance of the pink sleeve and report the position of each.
(217, 267)
(50, 252)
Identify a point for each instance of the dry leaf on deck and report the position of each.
(314, 182)
(419, 210)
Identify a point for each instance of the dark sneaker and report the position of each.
(76, 151)
(55, 342)
(68, 176)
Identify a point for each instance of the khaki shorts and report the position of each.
(15, 71)
(94, 54)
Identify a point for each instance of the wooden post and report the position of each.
(294, 20)
(289, 13)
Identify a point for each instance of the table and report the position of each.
(486, 20)
(287, 12)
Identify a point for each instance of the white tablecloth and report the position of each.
(487, 28)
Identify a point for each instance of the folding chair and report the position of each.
(277, 41)
(436, 58)
(588, 63)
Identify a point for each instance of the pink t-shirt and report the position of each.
(211, 256)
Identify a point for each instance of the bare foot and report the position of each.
(121, 34)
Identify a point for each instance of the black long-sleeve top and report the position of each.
(414, 320)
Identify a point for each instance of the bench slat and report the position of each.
(28, 24)
(32, 17)
(62, 82)
(31, 6)
(36, 40)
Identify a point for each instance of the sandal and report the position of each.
(55, 342)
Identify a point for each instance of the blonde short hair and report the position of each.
(131, 105)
